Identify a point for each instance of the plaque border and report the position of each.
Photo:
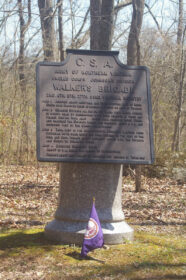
(114, 54)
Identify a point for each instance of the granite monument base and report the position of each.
(73, 232)
(79, 183)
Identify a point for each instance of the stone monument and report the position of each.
(93, 114)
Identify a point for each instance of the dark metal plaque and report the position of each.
(92, 108)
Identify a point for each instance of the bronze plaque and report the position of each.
(92, 108)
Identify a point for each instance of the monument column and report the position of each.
(79, 182)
